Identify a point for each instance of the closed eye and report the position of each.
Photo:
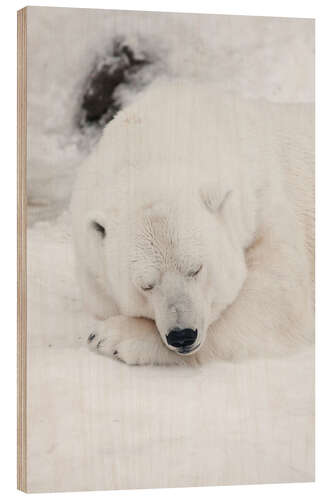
(195, 272)
(146, 288)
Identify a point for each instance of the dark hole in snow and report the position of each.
(122, 66)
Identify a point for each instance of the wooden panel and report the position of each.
(21, 248)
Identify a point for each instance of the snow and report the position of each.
(223, 423)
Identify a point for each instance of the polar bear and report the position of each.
(193, 227)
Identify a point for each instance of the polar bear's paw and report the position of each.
(140, 352)
(122, 350)
(145, 349)
(101, 344)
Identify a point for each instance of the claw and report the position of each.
(91, 337)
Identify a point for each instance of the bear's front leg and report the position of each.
(273, 313)
(134, 341)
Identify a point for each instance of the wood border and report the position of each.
(21, 250)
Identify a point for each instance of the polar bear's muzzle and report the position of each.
(184, 340)
(179, 314)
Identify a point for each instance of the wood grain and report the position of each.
(87, 422)
(21, 249)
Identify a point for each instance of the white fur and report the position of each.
(185, 178)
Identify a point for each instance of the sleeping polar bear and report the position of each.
(193, 228)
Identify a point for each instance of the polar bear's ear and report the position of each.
(214, 197)
(96, 224)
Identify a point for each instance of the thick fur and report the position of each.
(196, 211)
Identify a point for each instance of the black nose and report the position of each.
(181, 338)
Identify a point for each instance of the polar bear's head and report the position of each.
(177, 261)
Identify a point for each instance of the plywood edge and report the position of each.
(21, 250)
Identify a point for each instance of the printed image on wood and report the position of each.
(166, 250)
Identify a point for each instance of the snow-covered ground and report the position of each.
(218, 424)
